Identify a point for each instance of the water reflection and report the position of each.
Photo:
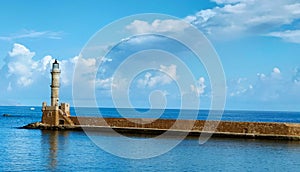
(53, 142)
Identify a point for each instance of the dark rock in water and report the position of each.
(6, 114)
(35, 125)
(39, 125)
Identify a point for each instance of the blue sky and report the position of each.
(258, 43)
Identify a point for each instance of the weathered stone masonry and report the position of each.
(258, 128)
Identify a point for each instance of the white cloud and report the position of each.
(166, 77)
(25, 70)
(296, 76)
(228, 1)
(233, 18)
(32, 34)
(288, 35)
(105, 59)
(276, 70)
(274, 86)
(269, 87)
(24, 81)
(239, 87)
(22, 70)
(170, 70)
(144, 82)
(250, 86)
(20, 64)
(141, 39)
(274, 75)
(261, 76)
(20, 50)
(198, 89)
(45, 63)
(161, 26)
(104, 83)
(67, 67)
(293, 8)
(87, 69)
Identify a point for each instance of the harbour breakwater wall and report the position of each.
(247, 128)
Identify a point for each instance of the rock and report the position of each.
(35, 125)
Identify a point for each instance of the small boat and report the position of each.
(32, 108)
(6, 114)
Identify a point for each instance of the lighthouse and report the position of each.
(56, 114)
(55, 73)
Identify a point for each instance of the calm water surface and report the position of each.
(36, 150)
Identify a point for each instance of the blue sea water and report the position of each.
(229, 115)
(36, 150)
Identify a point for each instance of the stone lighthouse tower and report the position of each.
(56, 114)
(55, 73)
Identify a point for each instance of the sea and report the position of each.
(37, 150)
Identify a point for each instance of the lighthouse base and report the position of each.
(56, 115)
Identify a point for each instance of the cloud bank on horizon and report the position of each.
(25, 75)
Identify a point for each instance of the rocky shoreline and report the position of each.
(39, 125)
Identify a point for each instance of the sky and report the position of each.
(257, 42)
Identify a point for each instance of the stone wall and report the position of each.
(56, 115)
(50, 115)
(223, 126)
